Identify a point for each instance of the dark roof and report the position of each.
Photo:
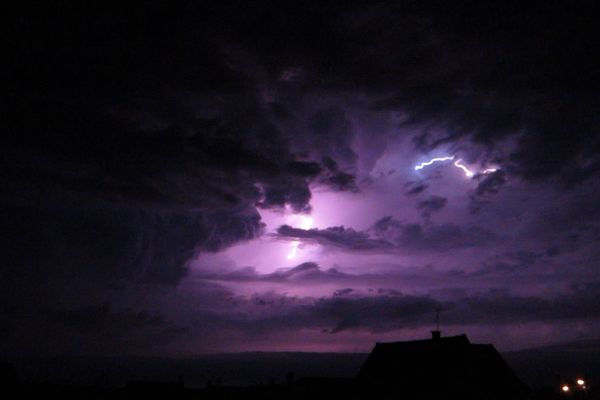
(449, 365)
(154, 385)
(8, 374)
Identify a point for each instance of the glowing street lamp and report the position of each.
(580, 382)
(565, 388)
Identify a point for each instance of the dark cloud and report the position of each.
(416, 188)
(431, 205)
(333, 135)
(499, 71)
(337, 236)
(507, 264)
(430, 237)
(336, 179)
(349, 309)
(553, 251)
(491, 183)
(305, 271)
(341, 312)
(378, 314)
(504, 308)
(107, 117)
(94, 317)
(128, 155)
(487, 186)
(343, 292)
(485, 72)
(93, 329)
(514, 262)
(308, 271)
(341, 181)
(390, 235)
(115, 243)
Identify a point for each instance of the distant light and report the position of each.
(489, 171)
(580, 382)
(304, 222)
(565, 388)
(294, 250)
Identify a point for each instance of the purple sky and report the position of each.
(223, 178)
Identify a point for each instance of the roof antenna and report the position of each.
(437, 334)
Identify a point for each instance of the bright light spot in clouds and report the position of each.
(303, 222)
(489, 170)
(269, 253)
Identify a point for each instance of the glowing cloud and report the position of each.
(304, 222)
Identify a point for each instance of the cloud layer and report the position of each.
(155, 163)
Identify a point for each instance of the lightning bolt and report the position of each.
(458, 164)
(468, 172)
(433, 160)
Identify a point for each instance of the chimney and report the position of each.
(437, 334)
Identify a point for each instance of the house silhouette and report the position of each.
(440, 368)
(8, 375)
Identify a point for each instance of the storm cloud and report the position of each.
(390, 235)
(207, 166)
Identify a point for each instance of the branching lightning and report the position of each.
(458, 164)
(466, 170)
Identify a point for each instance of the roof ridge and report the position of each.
(442, 339)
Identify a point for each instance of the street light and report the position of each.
(565, 388)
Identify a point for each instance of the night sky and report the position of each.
(243, 176)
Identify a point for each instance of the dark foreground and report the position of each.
(303, 389)
(306, 376)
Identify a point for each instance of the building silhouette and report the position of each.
(8, 375)
(440, 368)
